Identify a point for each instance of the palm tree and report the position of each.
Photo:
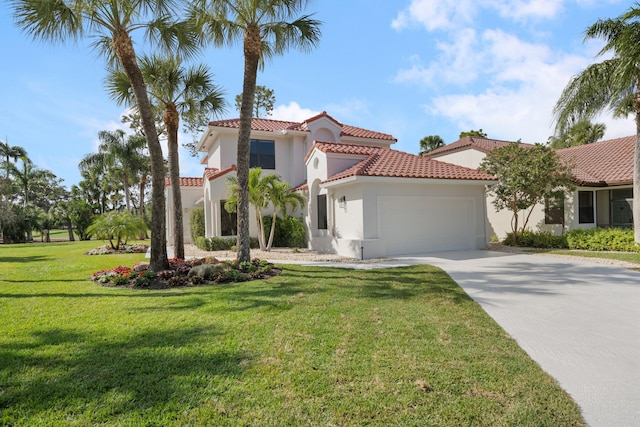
(178, 92)
(583, 132)
(117, 150)
(612, 84)
(267, 28)
(111, 23)
(9, 152)
(281, 196)
(430, 143)
(260, 188)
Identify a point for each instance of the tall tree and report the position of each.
(267, 28)
(117, 150)
(583, 132)
(479, 133)
(111, 23)
(8, 152)
(612, 84)
(430, 143)
(178, 92)
(525, 177)
(264, 100)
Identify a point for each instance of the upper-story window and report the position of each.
(263, 154)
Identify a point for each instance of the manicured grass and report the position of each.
(314, 346)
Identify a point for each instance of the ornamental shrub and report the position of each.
(603, 239)
(197, 224)
(538, 239)
(289, 233)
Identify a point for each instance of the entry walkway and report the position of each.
(578, 320)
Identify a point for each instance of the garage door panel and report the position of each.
(418, 224)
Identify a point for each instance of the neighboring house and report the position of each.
(603, 174)
(363, 198)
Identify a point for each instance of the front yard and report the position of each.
(313, 346)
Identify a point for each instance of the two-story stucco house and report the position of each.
(364, 199)
(602, 172)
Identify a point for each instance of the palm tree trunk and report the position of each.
(252, 46)
(636, 176)
(127, 195)
(143, 184)
(272, 231)
(123, 47)
(171, 120)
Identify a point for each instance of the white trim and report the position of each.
(402, 180)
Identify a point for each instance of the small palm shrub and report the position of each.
(117, 228)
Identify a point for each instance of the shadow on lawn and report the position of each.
(397, 283)
(106, 376)
(24, 259)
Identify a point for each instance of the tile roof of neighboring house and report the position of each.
(603, 163)
(385, 162)
(185, 182)
(209, 174)
(213, 173)
(269, 125)
(481, 144)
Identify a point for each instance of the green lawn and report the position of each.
(620, 256)
(314, 346)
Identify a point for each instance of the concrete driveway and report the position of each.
(580, 321)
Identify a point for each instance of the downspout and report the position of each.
(485, 193)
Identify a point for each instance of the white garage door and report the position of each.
(418, 224)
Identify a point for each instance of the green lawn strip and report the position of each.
(320, 346)
(633, 257)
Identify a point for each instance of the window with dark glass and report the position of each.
(585, 207)
(622, 207)
(228, 221)
(262, 154)
(554, 208)
(322, 212)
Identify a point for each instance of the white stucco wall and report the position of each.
(378, 218)
(469, 158)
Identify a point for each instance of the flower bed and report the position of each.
(137, 248)
(181, 273)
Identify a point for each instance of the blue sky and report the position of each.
(410, 68)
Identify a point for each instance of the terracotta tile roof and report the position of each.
(385, 162)
(214, 173)
(268, 125)
(482, 144)
(185, 182)
(603, 163)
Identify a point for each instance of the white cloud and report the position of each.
(447, 15)
(435, 14)
(292, 112)
(458, 63)
(522, 85)
(526, 9)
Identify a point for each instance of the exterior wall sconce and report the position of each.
(342, 202)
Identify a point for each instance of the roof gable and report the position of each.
(269, 125)
(385, 162)
(481, 144)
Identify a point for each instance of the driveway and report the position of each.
(578, 320)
